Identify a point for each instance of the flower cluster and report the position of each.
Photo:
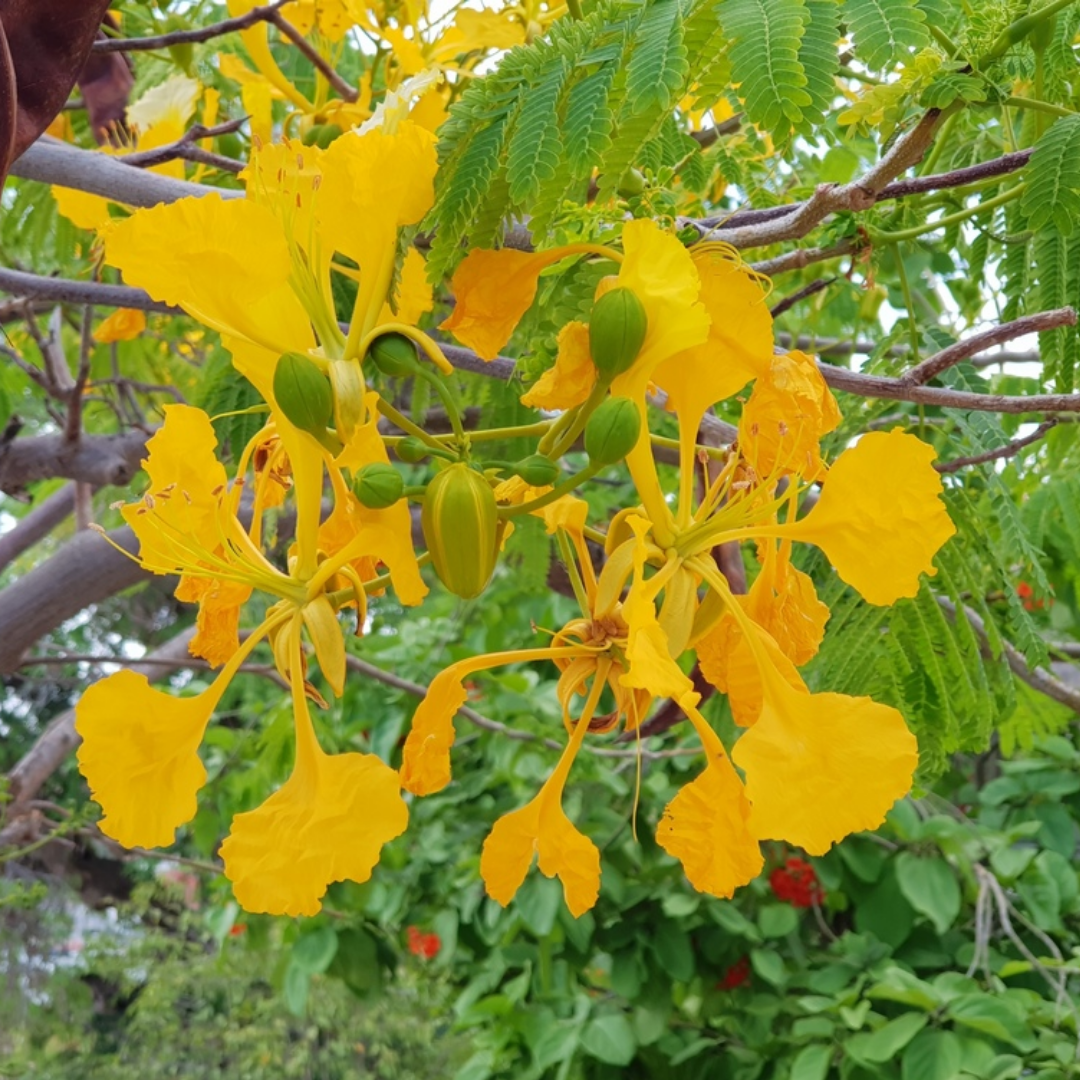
(796, 883)
(807, 768)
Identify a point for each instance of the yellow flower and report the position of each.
(573, 377)
(124, 324)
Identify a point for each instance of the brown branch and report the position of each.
(66, 291)
(802, 257)
(791, 300)
(184, 148)
(101, 460)
(977, 343)
(36, 525)
(1009, 450)
(59, 739)
(286, 28)
(190, 37)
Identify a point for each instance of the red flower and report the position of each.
(736, 975)
(796, 883)
(237, 929)
(421, 944)
(1026, 592)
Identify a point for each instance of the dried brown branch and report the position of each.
(190, 37)
(1029, 324)
(66, 291)
(802, 257)
(792, 299)
(185, 148)
(1009, 450)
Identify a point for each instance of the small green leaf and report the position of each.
(885, 1043)
(932, 1055)
(812, 1063)
(314, 952)
(930, 887)
(610, 1039)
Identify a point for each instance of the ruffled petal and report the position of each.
(139, 755)
(425, 762)
(706, 828)
(325, 824)
(821, 766)
(541, 828)
(572, 378)
(217, 634)
(880, 519)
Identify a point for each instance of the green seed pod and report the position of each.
(631, 183)
(460, 522)
(394, 355)
(617, 329)
(378, 486)
(412, 450)
(538, 470)
(303, 394)
(612, 431)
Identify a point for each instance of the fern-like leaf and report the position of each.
(765, 65)
(1053, 175)
(533, 154)
(885, 30)
(1051, 252)
(819, 58)
(657, 67)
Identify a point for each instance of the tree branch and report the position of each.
(286, 29)
(934, 365)
(66, 291)
(1009, 450)
(192, 37)
(101, 460)
(36, 525)
(185, 149)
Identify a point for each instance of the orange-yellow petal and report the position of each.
(492, 290)
(139, 755)
(425, 763)
(784, 603)
(327, 823)
(706, 828)
(181, 510)
(124, 324)
(572, 378)
(789, 410)
(218, 622)
(880, 519)
(542, 829)
(414, 294)
(821, 766)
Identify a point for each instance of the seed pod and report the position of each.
(412, 450)
(631, 183)
(303, 394)
(617, 328)
(460, 523)
(393, 355)
(378, 486)
(612, 431)
(538, 470)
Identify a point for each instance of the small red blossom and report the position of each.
(1026, 592)
(796, 883)
(421, 944)
(237, 929)
(736, 975)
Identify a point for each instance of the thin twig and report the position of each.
(1009, 450)
(184, 148)
(286, 28)
(807, 290)
(190, 37)
(934, 365)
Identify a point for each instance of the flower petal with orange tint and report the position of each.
(425, 764)
(541, 828)
(572, 378)
(326, 823)
(139, 755)
(821, 766)
(218, 622)
(124, 324)
(880, 519)
(706, 828)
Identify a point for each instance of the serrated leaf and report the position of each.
(885, 30)
(1053, 178)
(657, 66)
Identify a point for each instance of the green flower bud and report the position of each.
(303, 394)
(538, 470)
(378, 486)
(612, 431)
(393, 355)
(412, 450)
(631, 183)
(617, 328)
(460, 523)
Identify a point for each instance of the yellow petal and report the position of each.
(492, 290)
(181, 510)
(706, 828)
(425, 760)
(789, 411)
(139, 755)
(326, 823)
(784, 603)
(541, 828)
(218, 622)
(124, 324)
(821, 766)
(324, 630)
(880, 519)
(242, 284)
(740, 343)
(414, 295)
(572, 378)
